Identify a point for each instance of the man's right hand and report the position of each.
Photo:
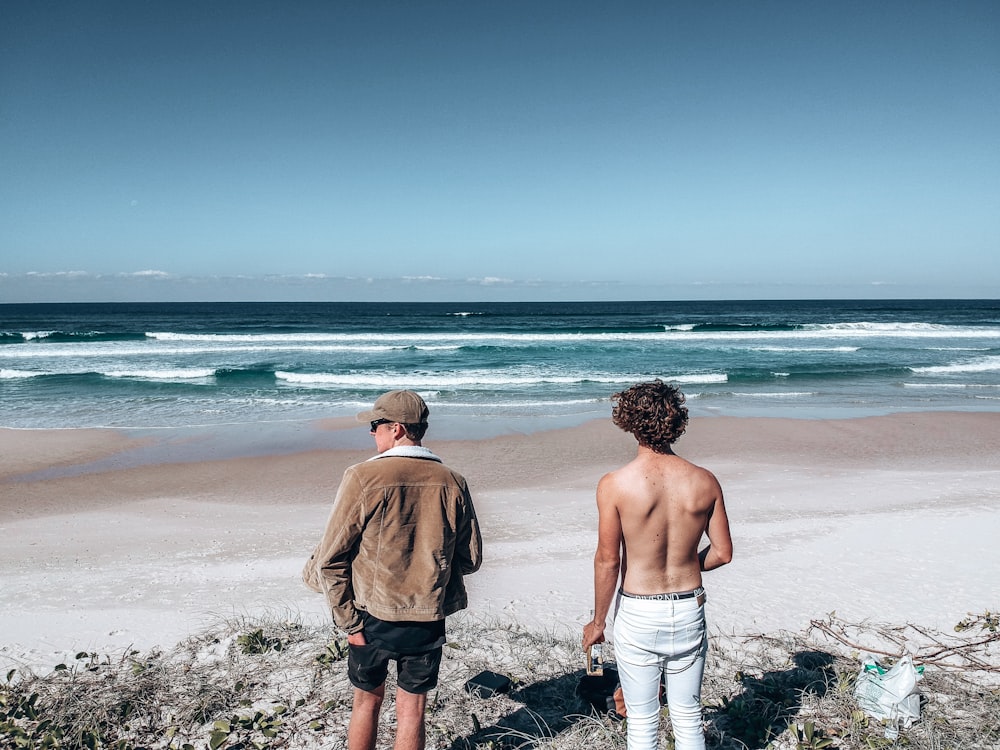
(593, 632)
(357, 639)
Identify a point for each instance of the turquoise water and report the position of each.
(181, 364)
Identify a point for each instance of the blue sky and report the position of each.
(498, 150)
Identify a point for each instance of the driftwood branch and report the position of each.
(923, 645)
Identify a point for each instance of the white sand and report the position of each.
(889, 519)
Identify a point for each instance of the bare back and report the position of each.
(664, 504)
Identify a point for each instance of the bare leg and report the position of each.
(410, 709)
(363, 728)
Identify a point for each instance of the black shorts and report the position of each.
(368, 666)
(414, 646)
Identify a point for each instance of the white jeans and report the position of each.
(666, 637)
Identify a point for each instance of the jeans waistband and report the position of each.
(663, 597)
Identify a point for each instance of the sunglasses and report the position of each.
(375, 424)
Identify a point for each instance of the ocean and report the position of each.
(496, 366)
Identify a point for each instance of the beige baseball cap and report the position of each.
(405, 407)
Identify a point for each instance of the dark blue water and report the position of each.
(182, 364)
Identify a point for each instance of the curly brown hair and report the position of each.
(653, 412)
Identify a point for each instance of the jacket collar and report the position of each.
(408, 451)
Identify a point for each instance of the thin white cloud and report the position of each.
(59, 274)
(408, 279)
(148, 274)
(82, 286)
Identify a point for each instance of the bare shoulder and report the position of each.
(608, 482)
(624, 474)
(613, 485)
(702, 473)
(680, 464)
(703, 480)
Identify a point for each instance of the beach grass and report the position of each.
(272, 682)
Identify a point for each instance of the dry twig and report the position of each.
(924, 645)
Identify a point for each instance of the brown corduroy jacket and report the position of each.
(401, 534)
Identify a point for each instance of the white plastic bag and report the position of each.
(890, 695)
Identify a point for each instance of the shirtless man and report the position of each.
(652, 514)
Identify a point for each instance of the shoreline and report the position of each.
(889, 519)
(33, 454)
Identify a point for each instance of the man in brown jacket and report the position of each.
(401, 534)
